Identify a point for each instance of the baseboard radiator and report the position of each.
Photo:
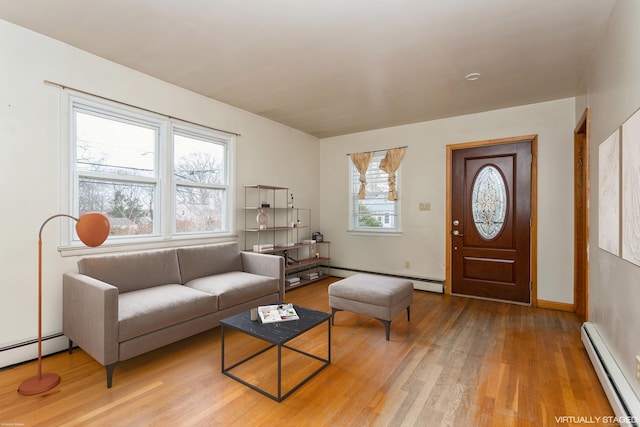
(622, 398)
(22, 352)
(421, 283)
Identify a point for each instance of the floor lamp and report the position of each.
(93, 229)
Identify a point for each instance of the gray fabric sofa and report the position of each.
(119, 306)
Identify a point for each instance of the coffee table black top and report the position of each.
(278, 332)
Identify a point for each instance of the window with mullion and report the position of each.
(374, 213)
(155, 178)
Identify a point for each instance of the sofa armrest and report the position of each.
(90, 316)
(265, 265)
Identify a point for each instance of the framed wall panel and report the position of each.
(631, 189)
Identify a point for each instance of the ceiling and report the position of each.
(333, 67)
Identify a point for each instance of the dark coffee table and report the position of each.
(277, 335)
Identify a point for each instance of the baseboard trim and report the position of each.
(420, 283)
(18, 353)
(561, 306)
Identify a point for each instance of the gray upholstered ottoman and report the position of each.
(372, 295)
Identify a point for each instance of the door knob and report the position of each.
(457, 233)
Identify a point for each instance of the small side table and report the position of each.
(277, 335)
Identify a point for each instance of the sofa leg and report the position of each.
(110, 369)
(70, 347)
(409, 313)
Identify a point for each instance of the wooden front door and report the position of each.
(491, 221)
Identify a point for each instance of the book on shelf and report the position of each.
(277, 313)
(292, 280)
(311, 276)
(263, 247)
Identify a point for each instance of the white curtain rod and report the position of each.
(135, 106)
(383, 149)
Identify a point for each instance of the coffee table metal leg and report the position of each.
(329, 343)
(279, 373)
(222, 347)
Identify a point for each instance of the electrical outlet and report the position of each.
(638, 368)
(424, 206)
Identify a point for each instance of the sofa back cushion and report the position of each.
(133, 271)
(201, 261)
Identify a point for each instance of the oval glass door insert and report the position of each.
(489, 202)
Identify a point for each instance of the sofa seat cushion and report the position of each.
(151, 309)
(235, 287)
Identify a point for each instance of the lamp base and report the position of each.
(38, 384)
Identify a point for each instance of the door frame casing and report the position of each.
(581, 217)
(534, 206)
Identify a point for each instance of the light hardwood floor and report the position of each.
(459, 362)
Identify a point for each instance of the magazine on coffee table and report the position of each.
(277, 313)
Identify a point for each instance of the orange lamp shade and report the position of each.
(93, 228)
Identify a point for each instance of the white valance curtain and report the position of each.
(389, 164)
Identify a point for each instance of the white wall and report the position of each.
(424, 180)
(613, 94)
(30, 128)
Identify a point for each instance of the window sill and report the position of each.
(124, 246)
(376, 233)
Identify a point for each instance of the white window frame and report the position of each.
(214, 138)
(164, 231)
(373, 172)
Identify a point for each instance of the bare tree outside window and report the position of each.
(129, 207)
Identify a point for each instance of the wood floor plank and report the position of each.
(458, 362)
